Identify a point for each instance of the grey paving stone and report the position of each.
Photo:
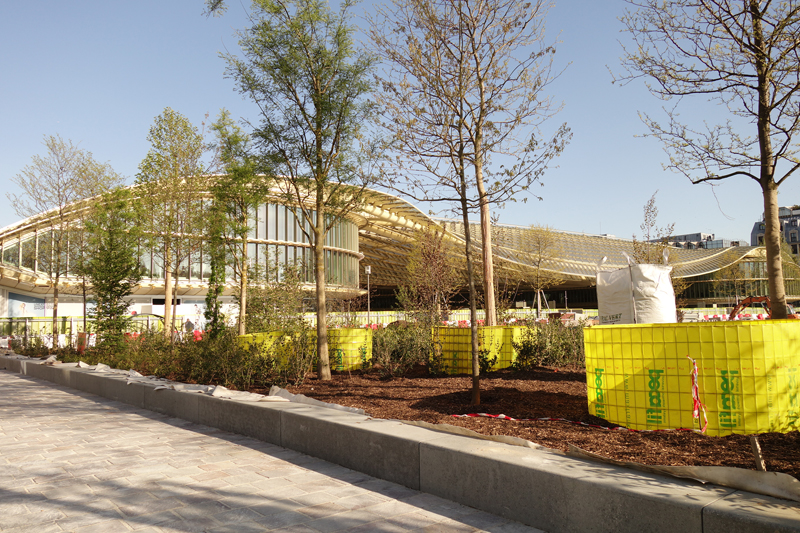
(344, 521)
(76, 462)
(283, 519)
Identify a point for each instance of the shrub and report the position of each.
(485, 362)
(552, 344)
(396, 349)
(220, 361)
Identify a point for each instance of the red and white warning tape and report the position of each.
(697, 405)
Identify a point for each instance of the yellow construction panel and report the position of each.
(456, 346)
(639, 376)
(349, 348)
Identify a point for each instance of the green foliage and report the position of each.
(213, 361)
(296, 351)
(396, 349)
(301, 67)
(486, 361)
(276, 305)
(237, 194)
(113, 263)
(276, 298)
(173, 188)
(550, 343)
(215, 251)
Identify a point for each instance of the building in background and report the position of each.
(789, 218)
(381, 233)
(693, 241)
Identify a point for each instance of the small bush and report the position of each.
(485, 362)
(296, 352)
(551, 344)
(396, 349)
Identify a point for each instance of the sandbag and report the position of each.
(637, 294)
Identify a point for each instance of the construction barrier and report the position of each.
(747, 376)
(494, 341)
(349, 348)
(263, 341)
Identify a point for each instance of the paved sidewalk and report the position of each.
(71, 461)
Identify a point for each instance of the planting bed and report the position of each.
(554, 393)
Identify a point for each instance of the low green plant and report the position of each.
(436, 366)
(486, 360)
(297, 353)
(396, 349)
(550, 344)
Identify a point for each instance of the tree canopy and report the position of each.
(742, 56)
(300, 65)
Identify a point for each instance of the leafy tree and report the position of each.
(53, 183)
(301, 67)
(214, 248)
(173, 184)
(113, 261)
(741, 55)
(237, 194)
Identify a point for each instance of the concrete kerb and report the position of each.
(561, 493)
(540, 488)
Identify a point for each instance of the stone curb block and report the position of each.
(540, 488)
(559, 493)
(381, 448)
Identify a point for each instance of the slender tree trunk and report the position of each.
(167, 302)
(324, 368)
(176, 281)
(473, 304)
(772, 232)
(243, 288)
(83, 288)
(486, 237)
(538, 303)
(772, 243)
(55, 314)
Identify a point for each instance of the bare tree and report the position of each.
(739, 54)
(465, 81)
(655, 240)
(731, 280)
(433, 280)
(655, 249)
(540, 246)
(52, 183)
(504, 67)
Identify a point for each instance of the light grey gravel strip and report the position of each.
(71, 461)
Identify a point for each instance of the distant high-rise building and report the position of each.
(790, 227)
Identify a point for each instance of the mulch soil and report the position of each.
(543, 393)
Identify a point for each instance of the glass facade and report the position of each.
(753, 283)
(276, 238)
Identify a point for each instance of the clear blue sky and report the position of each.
(97, 72)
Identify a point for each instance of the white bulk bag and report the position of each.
(637, 294)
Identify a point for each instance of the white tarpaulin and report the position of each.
(636, 294)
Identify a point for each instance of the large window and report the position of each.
(271, 224)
